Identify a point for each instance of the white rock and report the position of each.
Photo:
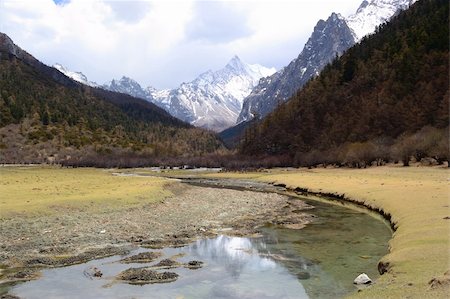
(362, 279)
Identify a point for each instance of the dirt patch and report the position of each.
(88, 255)
(166, 264)
(143, 257)
(440, 282)
(174, 240)
(287, 215)
(194, 264)
(24, 274)
(145, 276)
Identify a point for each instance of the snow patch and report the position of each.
(373, 13)
(77, 76)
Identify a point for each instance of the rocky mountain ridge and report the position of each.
(213, 100)
(329, 39)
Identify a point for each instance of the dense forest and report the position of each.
(386, 98)
(46, 116)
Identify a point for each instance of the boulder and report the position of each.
(362, 279)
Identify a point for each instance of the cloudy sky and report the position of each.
(164, 42)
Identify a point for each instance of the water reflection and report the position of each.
(234, 268)
(319, 261)
(235, 254)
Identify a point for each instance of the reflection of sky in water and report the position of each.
(322, 259)
(233, 269)
(235, 254)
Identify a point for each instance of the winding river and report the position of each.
(318, 261)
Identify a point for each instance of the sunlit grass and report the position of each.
(418, 200)
(34, 190)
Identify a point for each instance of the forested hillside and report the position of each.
(47, 116)
(385, 98)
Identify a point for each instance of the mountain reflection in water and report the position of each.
(234, 268)
(234, 253)
(318, 261)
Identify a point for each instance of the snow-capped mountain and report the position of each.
(129, 86)
(372, 13)
(214, 99)
(329, 38)
(77, 76)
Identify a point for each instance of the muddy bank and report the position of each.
(144, 276)
(143, 257)
(74, 235)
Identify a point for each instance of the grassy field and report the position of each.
(37, 190)
(418, 200)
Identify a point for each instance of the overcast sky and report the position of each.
(163, 43)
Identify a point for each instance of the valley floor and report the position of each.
(53, 216)
(61, 212)
(418, 201)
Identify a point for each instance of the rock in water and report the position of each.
(362, 279)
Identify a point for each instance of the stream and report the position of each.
(318, 261)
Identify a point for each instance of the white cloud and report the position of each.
(163, 43)
(218, 22)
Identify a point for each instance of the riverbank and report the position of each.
(417, 200)
(56, 216)
(156, 210)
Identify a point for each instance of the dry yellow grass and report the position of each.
(416, 197)
(418, 200)
(34, 190)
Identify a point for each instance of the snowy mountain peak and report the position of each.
(372, 13)
(60, 68)
(363, 5)
(214, 99)
(235, 60)
(77, 76)
(125, 81)
(128, 86)
(335, 17)
(236, 64)
(330, 38)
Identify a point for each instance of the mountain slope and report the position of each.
(46, 114)
(329, 38)
(394, 82)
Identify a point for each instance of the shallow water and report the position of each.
(319, 261)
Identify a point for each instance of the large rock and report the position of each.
(362, 279)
